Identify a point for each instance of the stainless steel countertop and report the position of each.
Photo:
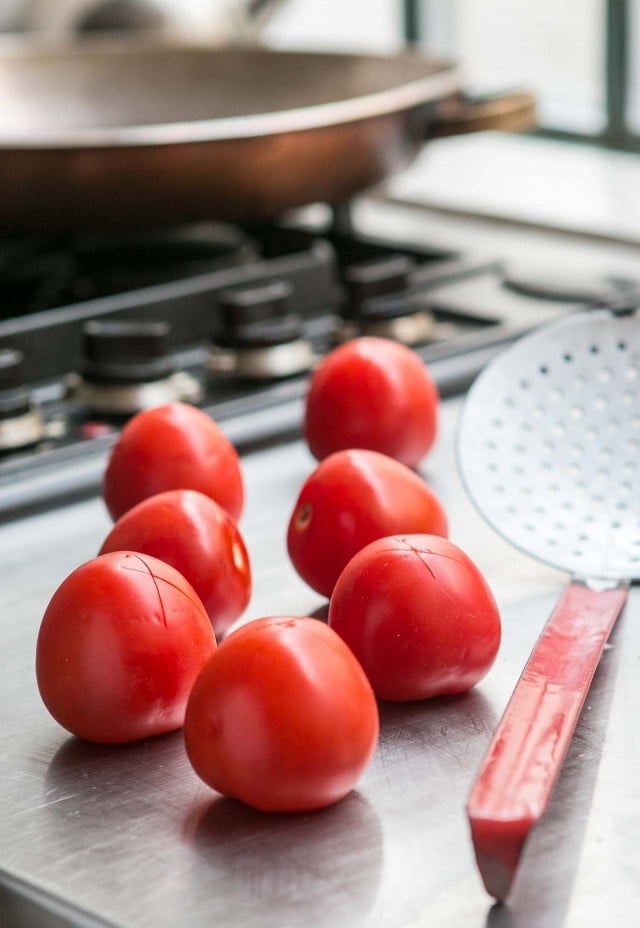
(129, 836)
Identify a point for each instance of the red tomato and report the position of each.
(418, 615)
(372, 393)
(352, 498)
(196, 536)
(282, 717)
(120, 645)
(173, 447)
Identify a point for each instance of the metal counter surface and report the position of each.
(128, 836)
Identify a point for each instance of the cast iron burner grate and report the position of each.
(339, 281)
(43, 273)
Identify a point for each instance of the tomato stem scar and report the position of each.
(304, 515)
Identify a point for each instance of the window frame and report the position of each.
(616, 132)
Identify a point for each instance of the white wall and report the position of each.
(330, 24)
(367, 25)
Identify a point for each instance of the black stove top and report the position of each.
(45, 272)
(94, 327)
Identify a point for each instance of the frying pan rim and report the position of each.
(402, 98)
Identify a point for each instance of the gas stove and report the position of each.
(89, 832)
(96, 327)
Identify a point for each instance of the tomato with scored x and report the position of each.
(200, 539)
(419, 616)
(120, 645)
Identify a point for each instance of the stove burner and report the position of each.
(43, 273)
(402, 317)
(253, 308)
(369, 280)
(261, 338)
(127, 367)
(126, 352)
(380, 303)
(21, 423)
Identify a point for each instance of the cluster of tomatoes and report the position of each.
(282, 714)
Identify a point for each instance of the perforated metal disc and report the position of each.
(549, 444)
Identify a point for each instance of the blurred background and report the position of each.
(578, 56)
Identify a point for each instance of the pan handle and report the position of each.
(513, 110)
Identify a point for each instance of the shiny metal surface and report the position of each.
(130, 398)
(547, 448)
(410, 330)
(549, 444)
(144, 92)
(18, 431)
(256, 363)
(108, 134)
(131, 835)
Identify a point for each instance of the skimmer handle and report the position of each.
(524, 759)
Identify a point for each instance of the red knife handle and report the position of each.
(524, 759)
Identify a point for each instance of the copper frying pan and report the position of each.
(103, 134)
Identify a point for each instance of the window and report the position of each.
(633, 110)
(580, 57)
(556, 49)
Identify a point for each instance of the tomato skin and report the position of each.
(120, 646)
(282, 717)
(192, 533)
(372, 393)
(172, 447)
(418, 615)
(352, 498)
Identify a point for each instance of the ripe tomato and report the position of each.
(372, 393)
(418, 615)
(352, 498)
(120, 645)
(172, 447)
(196, 536)
(282, 717)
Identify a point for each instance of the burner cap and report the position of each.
(258, 317)
(372, 279)
(14, 396)
(21, 422)
(119, 353)
(393, 306)
(127, 368)
(400, 316)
